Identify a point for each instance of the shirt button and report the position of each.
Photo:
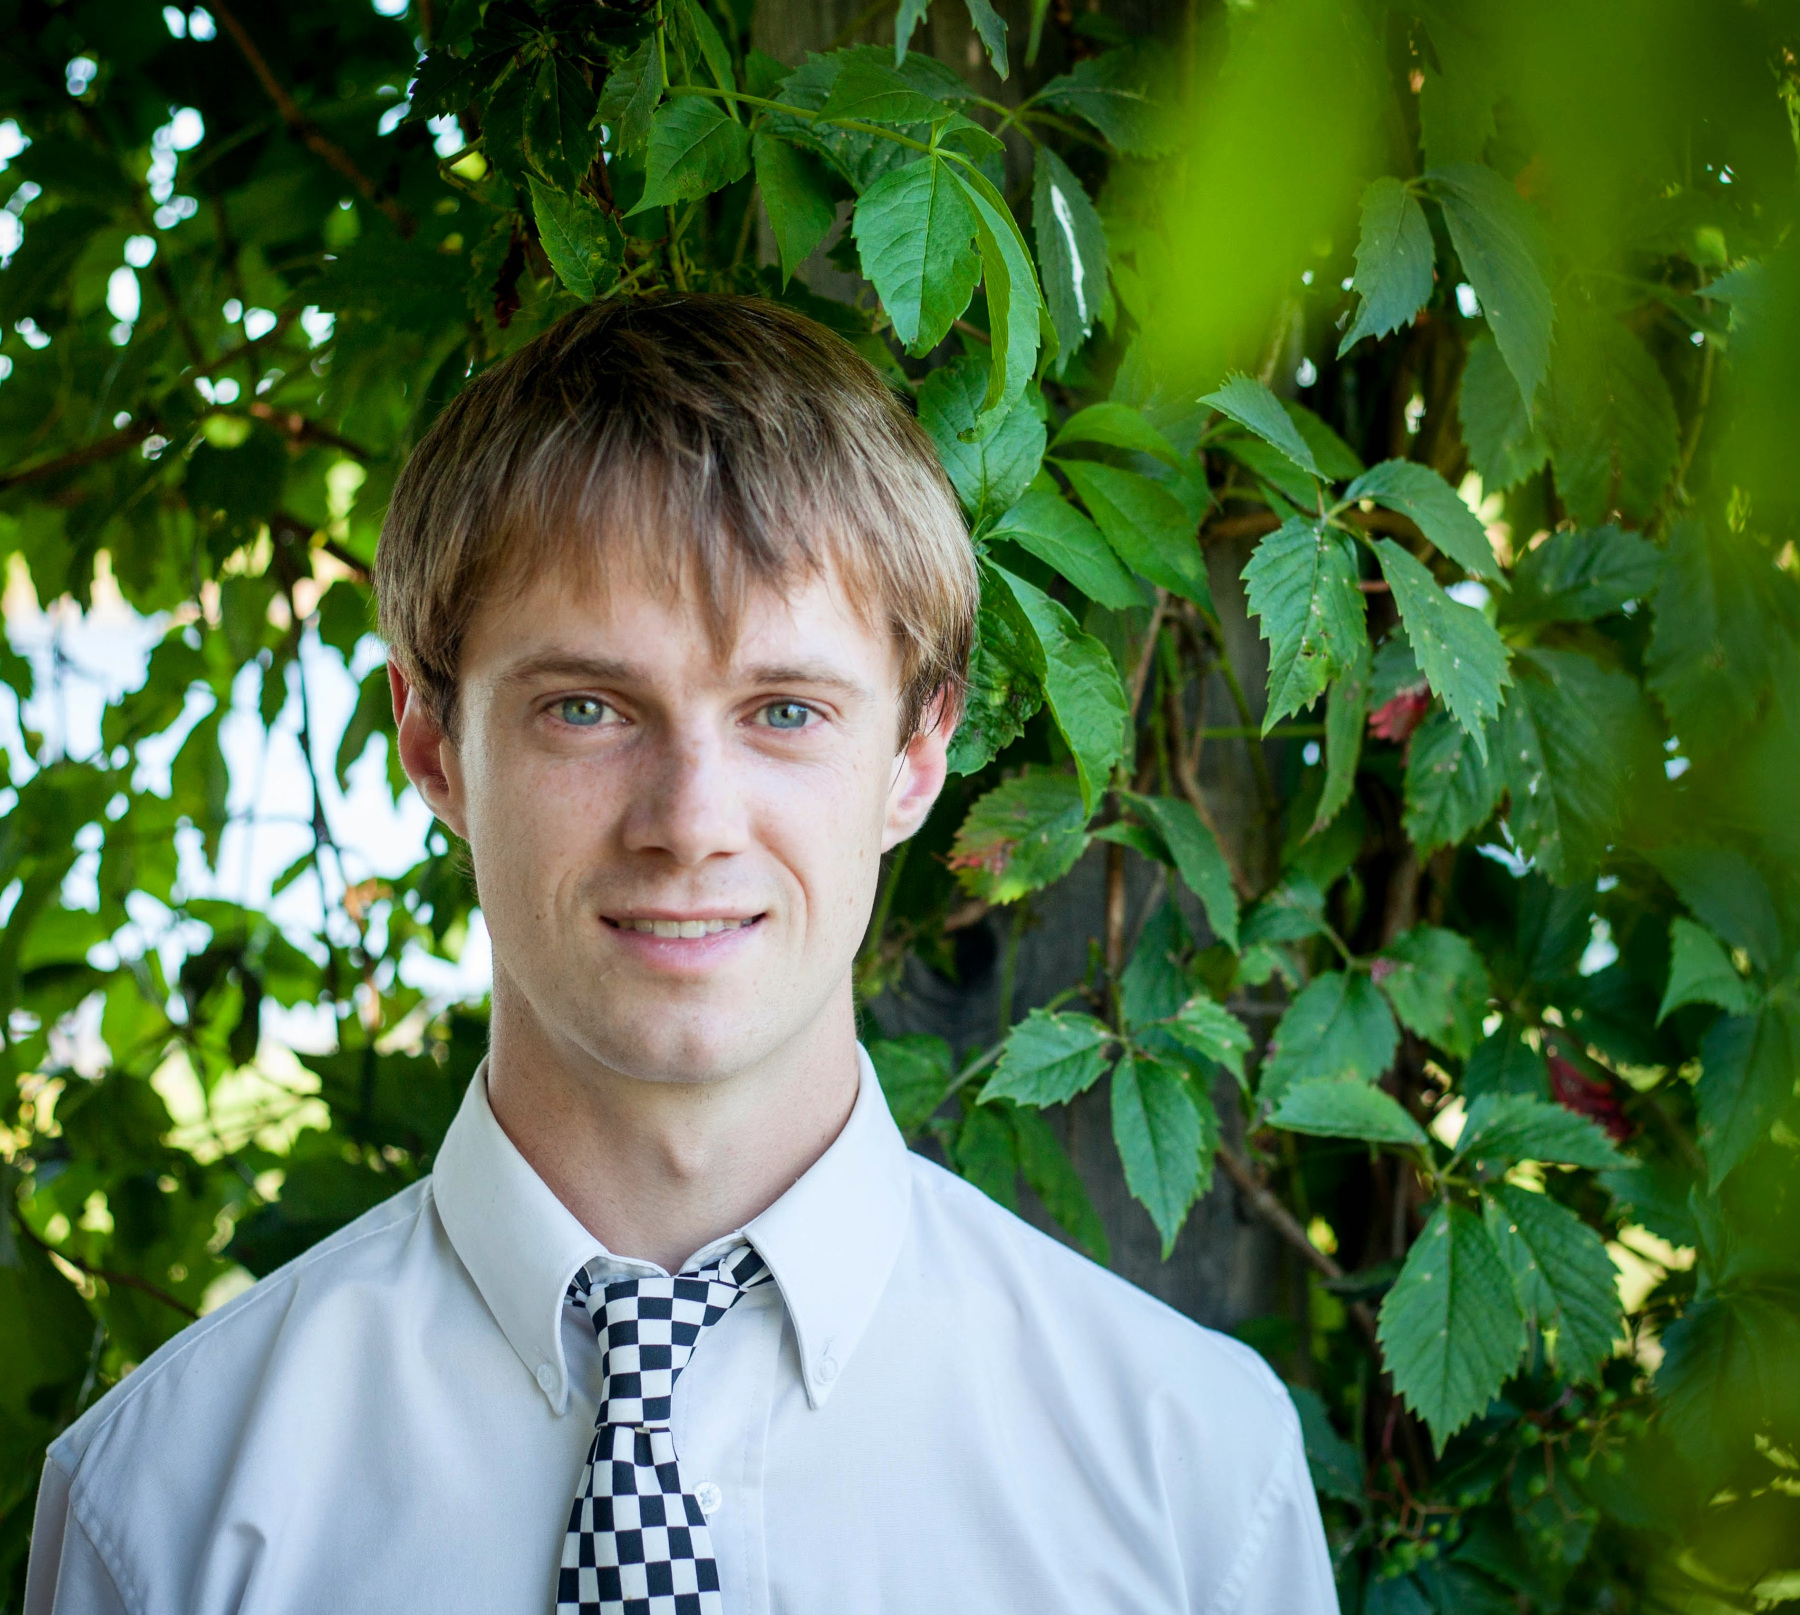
(546, 1378)
(827, 1370)
(709, 1497)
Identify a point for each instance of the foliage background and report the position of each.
(1376, 423)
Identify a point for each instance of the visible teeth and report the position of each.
(681, 928)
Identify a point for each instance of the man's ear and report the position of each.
(919, 772)
(426, 753)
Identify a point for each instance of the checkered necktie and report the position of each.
(638, 1542)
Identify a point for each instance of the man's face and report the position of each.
(677, 852)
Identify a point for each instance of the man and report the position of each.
(679, 604)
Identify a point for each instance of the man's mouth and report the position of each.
(680, 927)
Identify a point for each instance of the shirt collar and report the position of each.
(831, 1240)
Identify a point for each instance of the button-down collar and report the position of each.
(830, 1240)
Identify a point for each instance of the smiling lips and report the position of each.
(682, 928)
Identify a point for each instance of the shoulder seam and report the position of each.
(1258, 1529)
(100, 1548)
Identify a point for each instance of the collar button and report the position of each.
(546, 1378)
(826, 1371)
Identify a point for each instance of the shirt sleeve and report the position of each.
(1285, 1566)
(66, 1575)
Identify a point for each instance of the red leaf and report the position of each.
(1588, 1097)
(1395, 719)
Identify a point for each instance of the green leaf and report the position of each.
(1210, 1029)
(713, 50)
(992, 472)
(1451, 788)
(373, 715)
(1748, 1064)
(585, 247)
(1394, 259)
(1504, 1063)
(1336, 458)
(1155, 983)
(915, 1073)
(558, 139)
(1165, 1143)
(1116, 426)
(987, 22)
(1302, 589)
(1438, 986)
(1336, 1466)
(1566, 743)
(1016, 316)
(1565, 1278)
(1462, 658)
(1071, 250)
(1049, 1058)
(1256, 409)
(1052, 1177)
(911, 14)
(1503, 252)
(1060, 536)
(1726, 892)
(914, 228)
(868, 92)
(1451, 1329)
(1701, 972)
(694, 149)
(1337, 1107)
(1578, 575)
(1505, 446)
(1004, 686)
(797, 195)
(1194, 851)
(1023, 834)
(1111, 93)
(1080, 683)
(1146, 525)
(987, 1153)
(1610, 422)
(1338, 1026)
(1419, 492)
(1346, 710)
(629, 98)
(1502, 1128)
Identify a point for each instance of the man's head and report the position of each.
(679, 604)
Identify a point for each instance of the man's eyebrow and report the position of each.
(820, 674)
(569, 665)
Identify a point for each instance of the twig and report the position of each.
(105, 449)
(302, 430)
(305, 130)
(974, 331)
(129, 1280)
(1256, 523)
(1141, 673)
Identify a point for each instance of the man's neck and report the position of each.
(660, 1169)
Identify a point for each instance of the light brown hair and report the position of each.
(725, 443)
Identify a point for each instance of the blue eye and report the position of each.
(787, 714)
(583, 711)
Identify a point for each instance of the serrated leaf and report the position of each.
(1210, 1029)
(1023, 834)
(1145, 524)
(694, 149)
(989, 24)
(906, 22)
(1338, 1026)
(1016, 317)
(1194, 851)
(1701, 972)
(1502, 250)
(1565, 1277)
(1451, 789)
(1116, 426)
(1302, 590)
(1049, 1058)
(373, 715)
(796, 194)
(1516, 1127)
(1394, 258)
(986, 1153)
(1419, 492)
(1438, 986)
(1336, 458)
(1346, 1108)
(1727, 892)
(915, 1073)
(1155, 983)
(1748, 1065)
(1609, 420)
(1504, 1063)
(558, 139)
(1335, 1465)
(1060, 536)
(1081, 685)
(1346, 710)
(629, 98)
(583, 243)
(1256, 409)
(914, 231)
(1051, 1176)
(1451, 1329)
(1111, 92)
(869, 92)
(1161, 1135)
(1004, 688)
(991, 472)
(1578, 575)
(1505, 445)
(1072, 255)
(1462, 658)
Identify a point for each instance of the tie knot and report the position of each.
(649, 1326)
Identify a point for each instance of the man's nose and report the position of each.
(689, 803)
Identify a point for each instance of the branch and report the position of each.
(302, 430)
(305, 130)
(104, 449)
(1255, 524)
(129, 1280)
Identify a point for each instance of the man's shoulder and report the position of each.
(1176, 1362)
(218, 1361)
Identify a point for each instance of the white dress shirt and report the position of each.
(934, 1409)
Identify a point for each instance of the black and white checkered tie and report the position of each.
(638, 1542)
